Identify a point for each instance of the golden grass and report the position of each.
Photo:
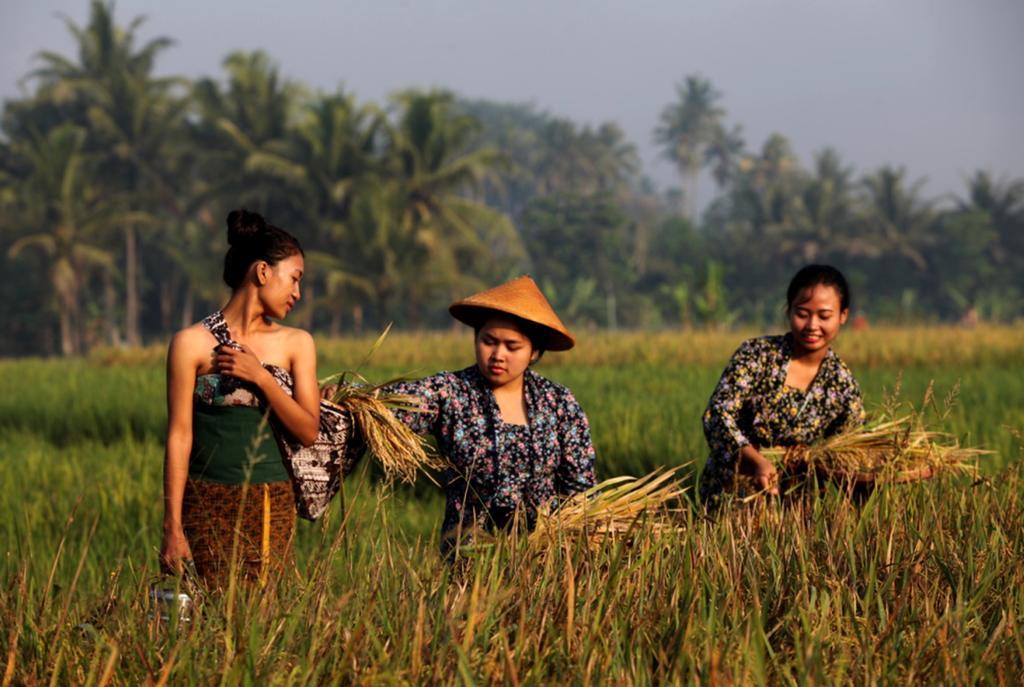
(401, 453)
(888, 451)
(609, 511)
(428, 351)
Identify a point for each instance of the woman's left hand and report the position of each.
(240, 363)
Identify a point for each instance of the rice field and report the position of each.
(919, 583)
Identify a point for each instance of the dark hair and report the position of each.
(252, 239)
(534, 332)
(812, 275)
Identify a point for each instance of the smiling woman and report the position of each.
(515, 441)
(782, 390)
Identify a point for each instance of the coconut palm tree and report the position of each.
(243, 131)
(822, 214)
(723, 154)
(896, 220)
(430, 157)
(686, 129)
(130, 115)
(769, 193)
(64, 211)
(615, 160)
(335, 142)
(563, 165)
(1002, 200)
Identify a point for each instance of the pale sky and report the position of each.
(933, 85)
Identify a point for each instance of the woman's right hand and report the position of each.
(767, 478)
(761, 469)
(174, 551)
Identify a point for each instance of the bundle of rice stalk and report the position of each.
(607, 511)
(400, 452)
(886, 451)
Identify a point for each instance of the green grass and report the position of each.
(921, 583)
(641, 416)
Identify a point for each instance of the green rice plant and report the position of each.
(919, 586)
(887, 346)
(920, 583)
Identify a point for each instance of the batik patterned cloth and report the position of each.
(316, 470)
(497, 467)
(753, 405)
(255, 521)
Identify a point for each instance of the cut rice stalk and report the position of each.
(607, 511)
(887, 451)
(401, 453)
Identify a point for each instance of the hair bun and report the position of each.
(243, 225)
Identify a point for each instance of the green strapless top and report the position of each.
(232, 443)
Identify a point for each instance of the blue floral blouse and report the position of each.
(753, 405)
(498, 467)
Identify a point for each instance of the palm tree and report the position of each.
(770, 190)
(897, 221)
(243, 131)
(335, 143)
(61, 204)
(820, 223)
(615, 160)
(391, 251)
(723, 154)
(130, 116)
(196, 254)
(1003, 202)
(517, 131)
(563, 164)
(688, 126)
(438, 173)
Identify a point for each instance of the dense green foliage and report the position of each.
(921, 583)
(114, 182)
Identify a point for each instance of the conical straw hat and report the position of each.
(519, 297)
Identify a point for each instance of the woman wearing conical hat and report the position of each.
(515, 440)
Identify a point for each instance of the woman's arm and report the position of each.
(852, 415)
(299, 413)
(721, 418)
(432, 393)
(181, 380)
(575, 472)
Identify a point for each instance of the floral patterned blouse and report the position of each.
(753, 405)
(498, 467)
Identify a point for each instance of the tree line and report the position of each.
(115, 181)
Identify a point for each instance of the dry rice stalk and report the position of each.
(399, 451)
(886, 451)
(607, 511)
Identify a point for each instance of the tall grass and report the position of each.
(883, 346)
(642, 415)
(917, 585)
(921, 583)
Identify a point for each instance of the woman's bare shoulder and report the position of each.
(194, 340)
(293, 336)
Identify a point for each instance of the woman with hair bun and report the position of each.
(227, 491)
(782, 390)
